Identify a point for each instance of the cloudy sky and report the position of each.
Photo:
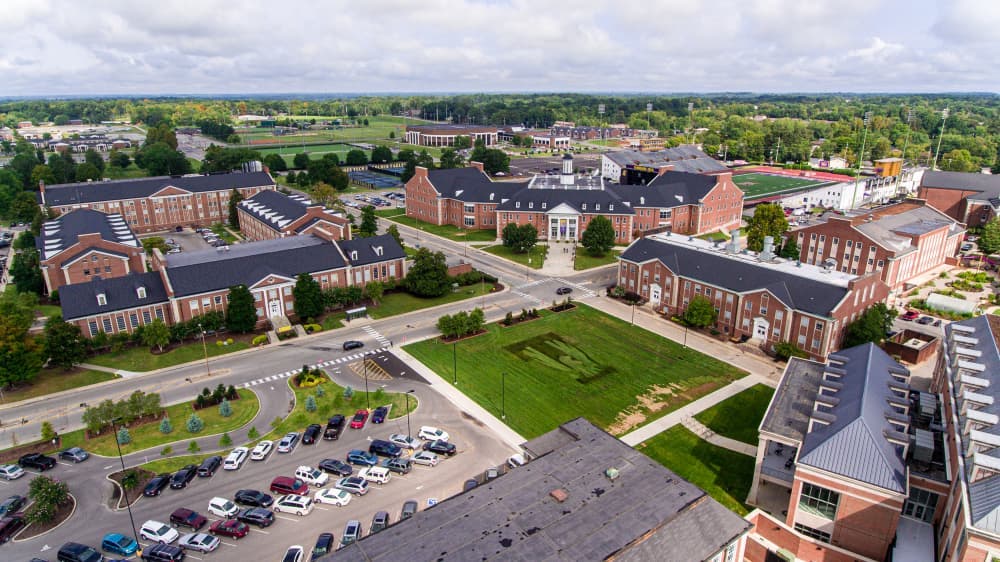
(262, 46)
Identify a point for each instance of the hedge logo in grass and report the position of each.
(555, 353)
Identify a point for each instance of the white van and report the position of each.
(375, 474)
(235, 459)
(313, 476)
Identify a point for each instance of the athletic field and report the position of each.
(315, 151)
(755, 185)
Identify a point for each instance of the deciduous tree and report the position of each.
(700, 313)
(308, 297)
(381, 154)
(428, 277)
(599, 237)
(369, 224)
(768, 220)
(64, 344)
(989, 241)
(872, 326)
(156, 334)
(234, 204)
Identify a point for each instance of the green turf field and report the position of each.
(315, 151)
(756, 185)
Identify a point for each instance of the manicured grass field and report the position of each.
(714, 236)
(224, 233)
(723, 474)
(402, 302)
(48, 310)
(140, 359)
(131, 172)
(758, 185)
(56, 380)
(738, 417)
(536, 255)
(586, 261)
(148, 434)
(445, 230)
(580, 362)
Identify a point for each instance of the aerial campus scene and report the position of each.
(507, 280)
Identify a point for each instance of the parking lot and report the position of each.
(188, 239)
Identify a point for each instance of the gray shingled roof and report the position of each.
(883, 230)
(854, 444)
(647, 513)
(64, 231)
(668, 189)
(275, 209)
(245, 264)
(80, 299)
(984, 183)
(90, 192)
(368, 249)
(544, 200)
(684, 158)
(471, 185)
(739, 275)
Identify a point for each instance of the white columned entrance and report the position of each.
(760, 328)
(654, 295)
(563, 223)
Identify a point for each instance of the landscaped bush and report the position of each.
(311, 328)
(138, 405)
(786, 349)
(124, 437)
(259, 340)
(307, 378)
(225, 410)
(921, 304)
(165, 426)
(195, 424)
(47, 496)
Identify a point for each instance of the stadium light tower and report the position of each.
(649, 107)
(861, 157)
(944, 117)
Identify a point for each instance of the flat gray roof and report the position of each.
(792, 405)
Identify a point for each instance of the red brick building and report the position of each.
(968, 198)
(83, 244)
(160, 203)
(272, 214)
(759, 297)
(900, 242)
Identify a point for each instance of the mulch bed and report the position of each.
(135, 493)
(562, 307)
(11, 455)
(36, 529)
(138, 421)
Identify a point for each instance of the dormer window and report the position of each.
(378, 250)
(597, 206)
(517, 205)
(611, 206)
(140, 292)
(642, 200)
(544, 205)
(102, 299)
(491, 196)
(531, 205)
(354, 255)
(583, 206)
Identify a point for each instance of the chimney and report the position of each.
(478, 166)
(767, 254)
(665, 169)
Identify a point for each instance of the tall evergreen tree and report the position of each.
(234, 202)
(308, 297)
(241, 312)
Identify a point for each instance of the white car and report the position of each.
(375, 474)
(429, 433)
(333, 496)
(155, 531)
(405, 441)
(425, 458)
(261, 451)
(11, 472)
(516, 460)
(236, 458)
(313, 476)
(293, 503)
(221, 507)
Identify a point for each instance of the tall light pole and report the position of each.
(204, 347)
(454, 361)
(503, 395)
(364, 361)
(128, 504)
(944, 117)
(409, 432)
(861, 157)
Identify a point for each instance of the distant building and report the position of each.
(444, 135)
(584, 495)
(973, 199)
(630, 167)
(272, 214)
(834, 162)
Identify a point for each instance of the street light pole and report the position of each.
(128, 504)
(454, 361)
(364, 360)
(503, 395)
(204, 347)
(409, 432)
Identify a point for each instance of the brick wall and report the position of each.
(124, 320)
(422, 198)
(949, 201)
(59, 270)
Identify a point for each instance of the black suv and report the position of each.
(163, 553)
(156, 485)
(253, 498)
(334, 426)
(384, 448)
(311, 433)
(209, 466)
(441, 447)
(256, 516)
(324, 545)
(352, 344)
(181, 478)
(76, 552)
(37, 461)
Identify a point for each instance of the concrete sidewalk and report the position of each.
(703, 431)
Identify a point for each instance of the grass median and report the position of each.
(50, 381)
(444, 230)
(536, 255)
(583, 259)
(139, 358)
(402, 302)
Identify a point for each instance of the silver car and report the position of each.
(202, 542)
(288, 442)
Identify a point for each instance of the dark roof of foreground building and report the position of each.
(80, 299)
(669, 189)
(364, 251)
(91, 192)
(471, 185)
(800, 286)
(984, 183)
(684, 158)
(852, 432)
(647, 513)
(275, 209)
(794, 399)
(64, 231)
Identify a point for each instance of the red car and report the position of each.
(359, 419)
(910, 315)
(231, 528)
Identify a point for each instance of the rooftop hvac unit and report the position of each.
(923, 448)
(928, 404)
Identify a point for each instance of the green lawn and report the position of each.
(224, 233)
(738, 417)
(536, 254)
(401, 302)
(756, 185)
(131, 172)
(723, 474)
(445, 230)
(56, 380)
(714, 236)
(148, 434)
(580, 362)
(586, 261)
(173, 464)
(140, 359)
(48, 310)
(333, 320)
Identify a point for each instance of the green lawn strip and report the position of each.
(333, 320)
(402, 302)
(131, 172)
(148, 434)
(738, 417)
(140, 359)
(446, 230)
(386, 213)
(723, 474)
(224, 233)
(586, 261)
(576, 363)
(50, 381)
(714, 236)
(48, 310)
(173, 464)
(536, 254)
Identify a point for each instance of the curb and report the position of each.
(121, 496)
(61, 523)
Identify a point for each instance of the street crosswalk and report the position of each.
(331, 362)
(378, 337)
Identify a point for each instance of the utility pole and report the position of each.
(691, 120)
(649, 107)
(861, 157)
(777, 151)
(944, 117)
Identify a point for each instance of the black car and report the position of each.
(324, 545)
(334, 426)
(10, 525)
(379, 521)
(378, 416)
(181, 478)
(335, 466)
(409, 508)
(441, 447)
(163, 553)
(311, 433)
(209, 466)
(76, 552)
(256, 516)
(12, 505)
(353, 344)
(156, 485)
(384, 448)
(564, 290)
(37, 461)
(253, 498)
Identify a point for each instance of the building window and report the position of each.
(836, 240)
(813, 533)
(86, 272)
(470, 208)
(134, 319)
(819, 501)
(107, 325)
(121, 323)
(471, 221)
(146, 319)
(93, 328)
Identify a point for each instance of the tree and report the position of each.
(989, 241)
(165, 426)
(23, 207)
(494, 160)
(300, 161)
(93, 158)
(700, 313)
(225, 409)
(428, 277)
(339, 179)
(64, 345)
(356, 157)
(160, 160)
(119, 159)
(451, 159)
(791, 249)
(394, 232)
(308, 297)
(48, 433)
(381, 155)
(872, 326)
(768, 220)
(195, 423)
(26, 273)
(87, 172)
(225, 440)
(156, 334)
(599, 236)
(462, 141)
(958, 160)
(374, 291)
(241, 312)
(42, 173)
(310, 403)
(47, 496)
(123, 436)
(234, 204)
(369, 225)
(519, 238)
(161, 133)
(275, 163)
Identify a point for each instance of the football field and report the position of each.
(756, 185)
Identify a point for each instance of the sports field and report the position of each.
(315, 151)
(755, 185)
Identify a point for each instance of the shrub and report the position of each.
(200, 402)
(259, 340)
(218, 343)
(348, 393)
(225, 410)
(195, 423)
(48, 434)
(225, 440)
(253, 433)
(193, 447)
(165, 426)
(310, 403)
(229, 341)
(311, 328)
(231, 393)
(785, 350)
(46, 495)
(166, 450)
(320, 392)
(124, 437)
(509, 318)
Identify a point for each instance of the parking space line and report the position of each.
(286, 518)
(193, 556)
(323, 508)
(228, 543)
(259, 531)
(65, 463)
